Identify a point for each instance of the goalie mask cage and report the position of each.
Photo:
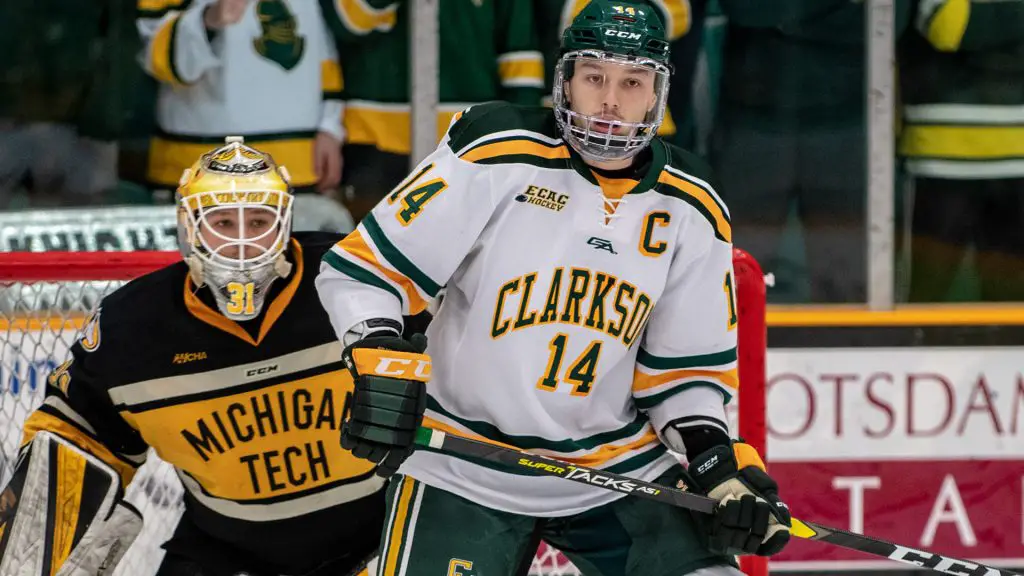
(46, 297)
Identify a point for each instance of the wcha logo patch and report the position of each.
(186, 357)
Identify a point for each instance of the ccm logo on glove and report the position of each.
(707, 465)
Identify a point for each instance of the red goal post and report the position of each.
(46, 297)
(751, 302)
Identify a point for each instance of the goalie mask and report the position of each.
(611, 82)
(234, 224)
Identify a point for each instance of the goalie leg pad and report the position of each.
(62, 513)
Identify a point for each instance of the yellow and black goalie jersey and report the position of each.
(248, 415)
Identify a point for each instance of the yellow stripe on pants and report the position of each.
(396, 533)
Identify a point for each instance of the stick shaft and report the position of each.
(897, 552)
(543, 465)
(551, 467)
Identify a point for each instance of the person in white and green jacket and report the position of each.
(962, 142)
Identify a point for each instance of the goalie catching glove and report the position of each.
(750, 519)
(389, 395)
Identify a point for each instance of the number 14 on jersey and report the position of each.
(579, 374)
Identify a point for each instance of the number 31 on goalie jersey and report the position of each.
(415, 198)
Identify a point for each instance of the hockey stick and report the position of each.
(438, 440)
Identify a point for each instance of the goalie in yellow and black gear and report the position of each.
(228, 366)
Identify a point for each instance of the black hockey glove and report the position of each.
(750, 518)
(388, 398)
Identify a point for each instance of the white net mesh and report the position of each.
(551, 562)
(38, 323)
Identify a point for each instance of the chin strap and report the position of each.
(195, 270)
(282, 267)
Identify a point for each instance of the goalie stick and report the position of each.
(438, 440)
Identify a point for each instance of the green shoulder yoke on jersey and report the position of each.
(688, 178)
(632, 30)
(502, 133)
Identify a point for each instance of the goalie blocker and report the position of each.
(63, 507)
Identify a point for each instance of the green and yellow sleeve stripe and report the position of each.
(946, 25)
(522, 69)
(369, 257)
(518, 149)
(677, 15)
(332, 83)
(158, 8)
(360, 18)
(160, 57)
(701, 197)
(962, 142)
(658, 378)
(169, 154)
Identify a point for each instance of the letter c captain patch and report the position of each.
(648, 246)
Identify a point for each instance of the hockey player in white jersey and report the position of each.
(589, 315)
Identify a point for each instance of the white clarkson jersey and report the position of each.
(272, 77)
(572, 325)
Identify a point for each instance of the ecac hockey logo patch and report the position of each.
(543, 197)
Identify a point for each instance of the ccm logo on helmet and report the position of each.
(403, 367)
(622, 34)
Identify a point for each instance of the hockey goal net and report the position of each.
(45, 299)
